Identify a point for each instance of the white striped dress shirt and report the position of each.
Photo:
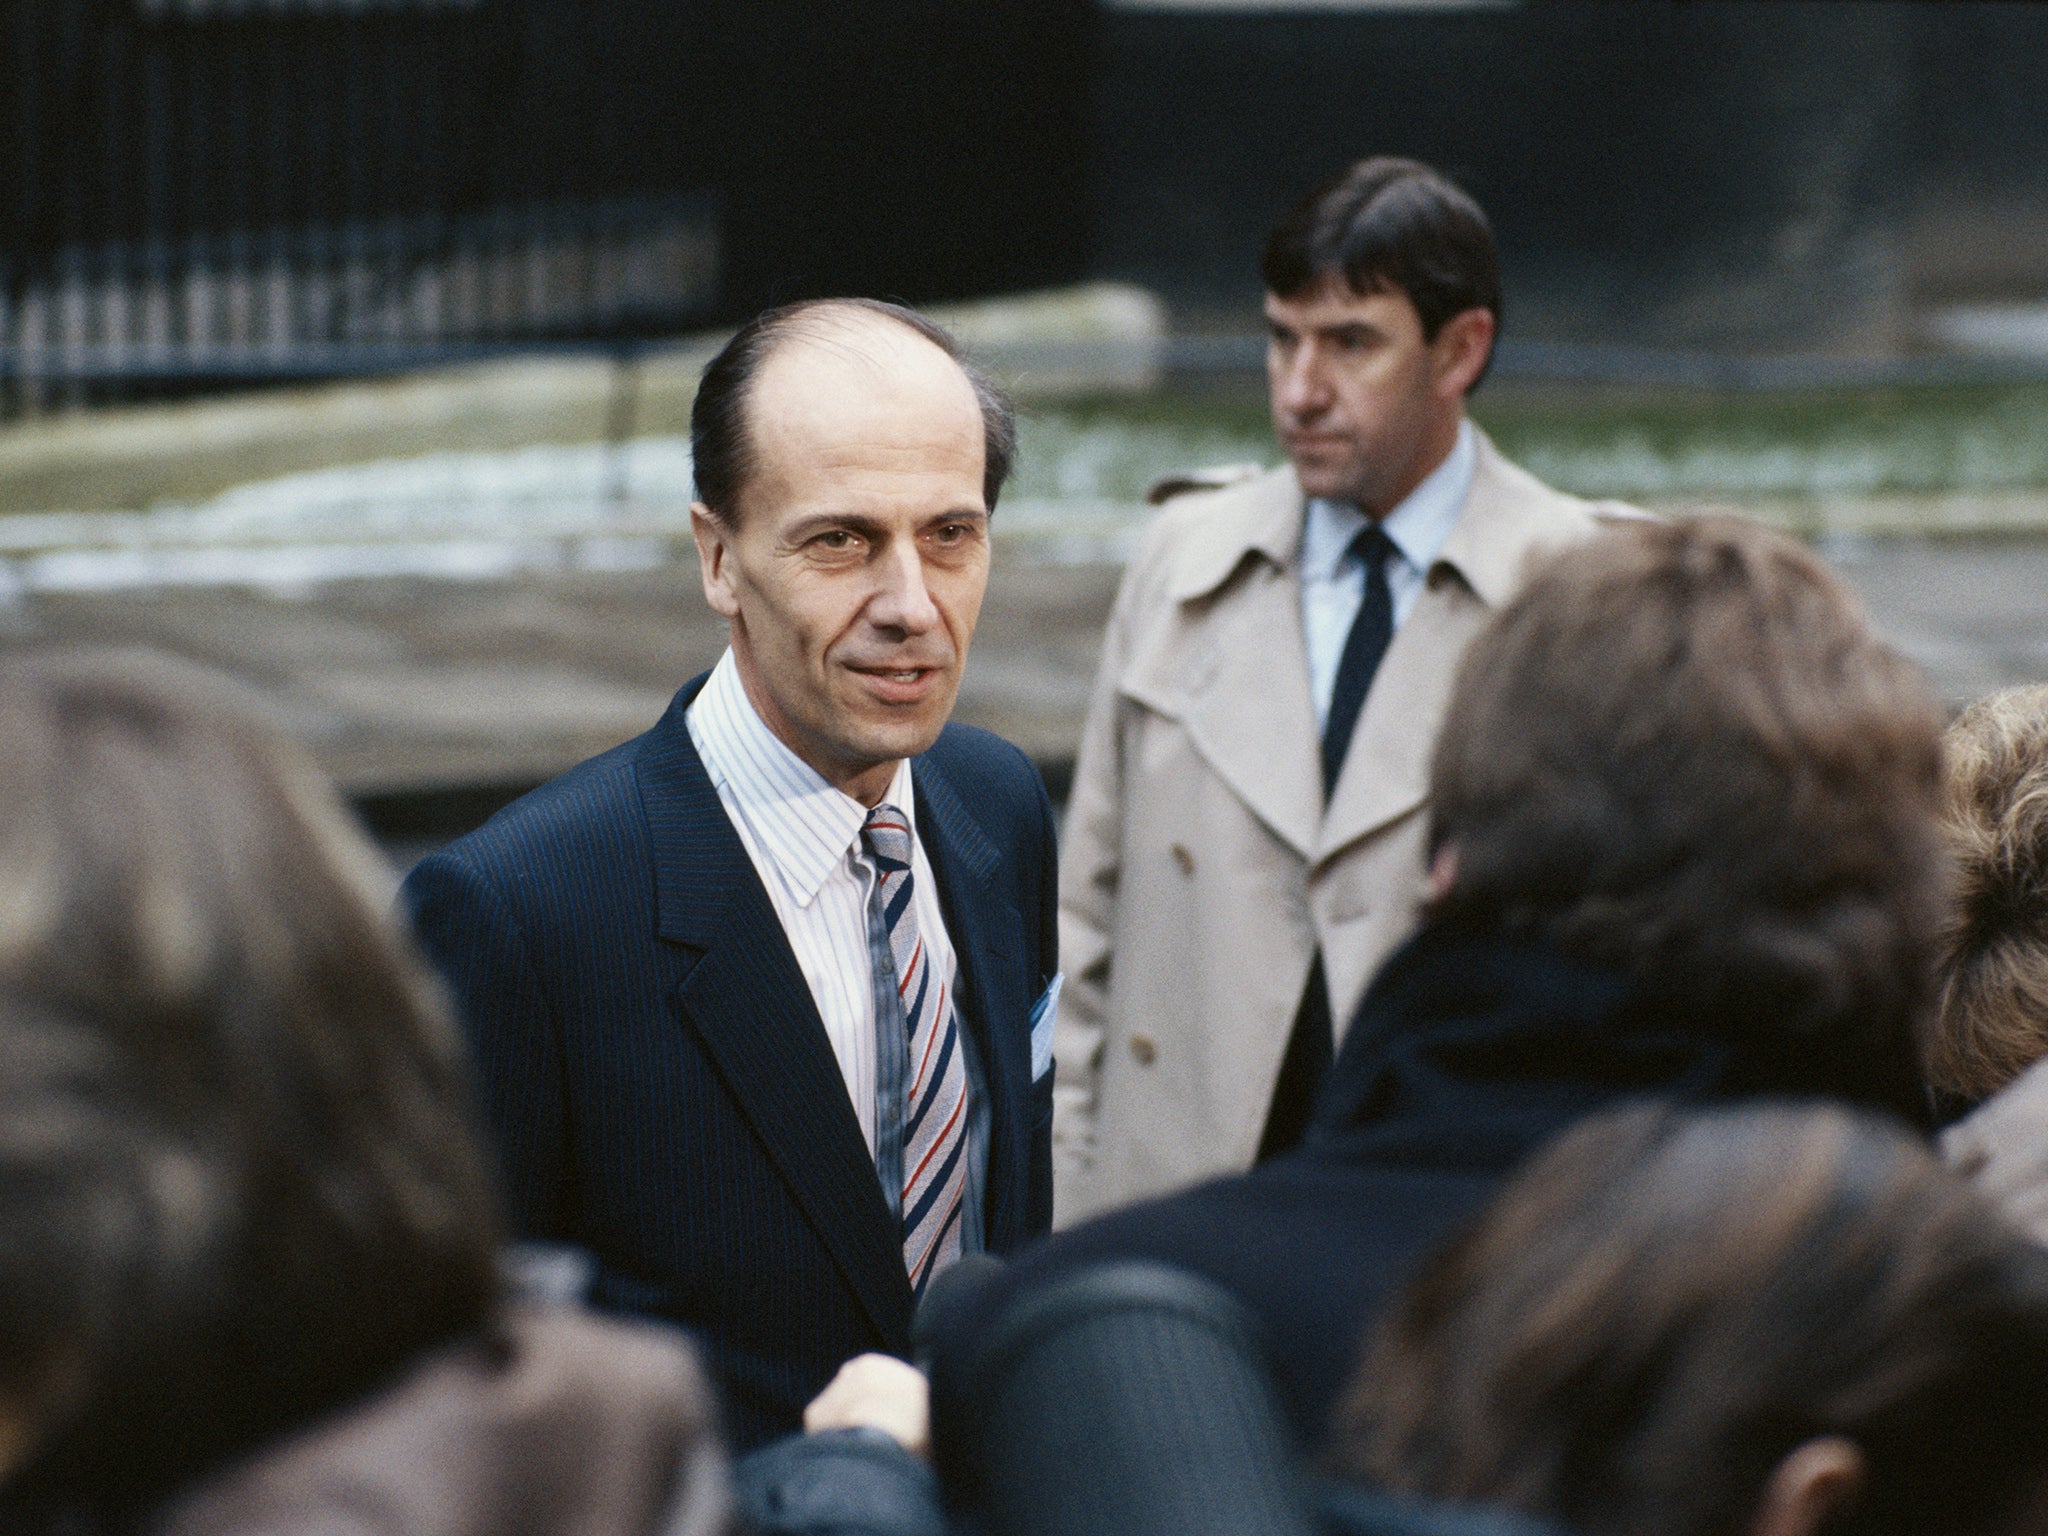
(804, 838)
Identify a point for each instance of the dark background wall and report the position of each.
(1723, 173)
(922, 148)
(206, 190)
(195, 192)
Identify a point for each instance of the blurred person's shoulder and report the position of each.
(1208, 521)
(2002, 1147)
(559, 1420)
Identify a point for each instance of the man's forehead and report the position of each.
(853, 405)
(859, 373)
(1332, 300)
(835, 342)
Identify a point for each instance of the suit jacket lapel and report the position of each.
(982, 926)
(753, 1010)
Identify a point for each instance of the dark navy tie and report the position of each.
(1311, 1045)
(1371, 632)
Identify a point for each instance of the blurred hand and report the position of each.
(876, 1392)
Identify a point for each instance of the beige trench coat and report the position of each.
(1200, 870)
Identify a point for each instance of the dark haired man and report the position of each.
(752, 996)
(1244, 839)
(1682, 846)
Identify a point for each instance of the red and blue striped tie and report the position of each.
(935, 1097)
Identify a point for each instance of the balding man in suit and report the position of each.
(751, 996)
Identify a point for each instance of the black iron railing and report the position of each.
(197, 192)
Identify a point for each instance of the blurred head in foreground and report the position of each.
(1764, 1320)
(1681, 753)
(237, 1185)
(1991, 1014)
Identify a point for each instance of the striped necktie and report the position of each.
(935, 1098)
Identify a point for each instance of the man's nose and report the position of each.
(1300, 382)
(903, 601)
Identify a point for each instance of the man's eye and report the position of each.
(950, 533)
(837, 541)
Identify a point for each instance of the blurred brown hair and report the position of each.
(1681, 752)
(1662, 1306)
(1991, 1005)
(182, 889)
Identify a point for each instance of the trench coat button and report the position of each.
(1183, 858)
(1350, 909)
(1143, 1050)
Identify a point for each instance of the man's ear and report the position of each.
(1461, 349)
(714, 559)
(1817, 1480)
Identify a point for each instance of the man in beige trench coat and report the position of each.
(1244, 840)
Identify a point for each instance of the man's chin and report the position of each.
(1326, 482)
(899, 734)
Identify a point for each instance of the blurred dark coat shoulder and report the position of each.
(1469, 1051)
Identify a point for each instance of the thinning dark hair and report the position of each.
(1662, 1305)
(721, 446)
(259, 1078)
(1387, 224)
(1681, 752)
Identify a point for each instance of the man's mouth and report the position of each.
(898, 685)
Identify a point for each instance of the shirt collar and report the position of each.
(1418, 526)
(811, 825)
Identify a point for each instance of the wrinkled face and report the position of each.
(854, 569)
(1362, 403)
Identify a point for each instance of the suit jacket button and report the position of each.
(1143, 1049)
(1183, 858)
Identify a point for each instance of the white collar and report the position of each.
(1418, 526)
(812, 824)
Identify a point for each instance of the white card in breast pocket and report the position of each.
(1042, 1014)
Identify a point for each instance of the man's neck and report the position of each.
(1436, 446)
(866, 782)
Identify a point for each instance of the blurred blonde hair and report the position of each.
(1991, 1013)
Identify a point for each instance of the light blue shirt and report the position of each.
(1333, 578)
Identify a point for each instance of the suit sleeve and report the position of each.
(1090, 865)
(473, 938)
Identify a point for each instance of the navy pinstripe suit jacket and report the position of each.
(655, 1074)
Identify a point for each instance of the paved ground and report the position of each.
(418, 688)
(420, 685)
(1973, 613)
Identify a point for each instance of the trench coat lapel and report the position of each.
(1235, 670)
(1386, 771)
(1507, 515)
(749, 1004)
